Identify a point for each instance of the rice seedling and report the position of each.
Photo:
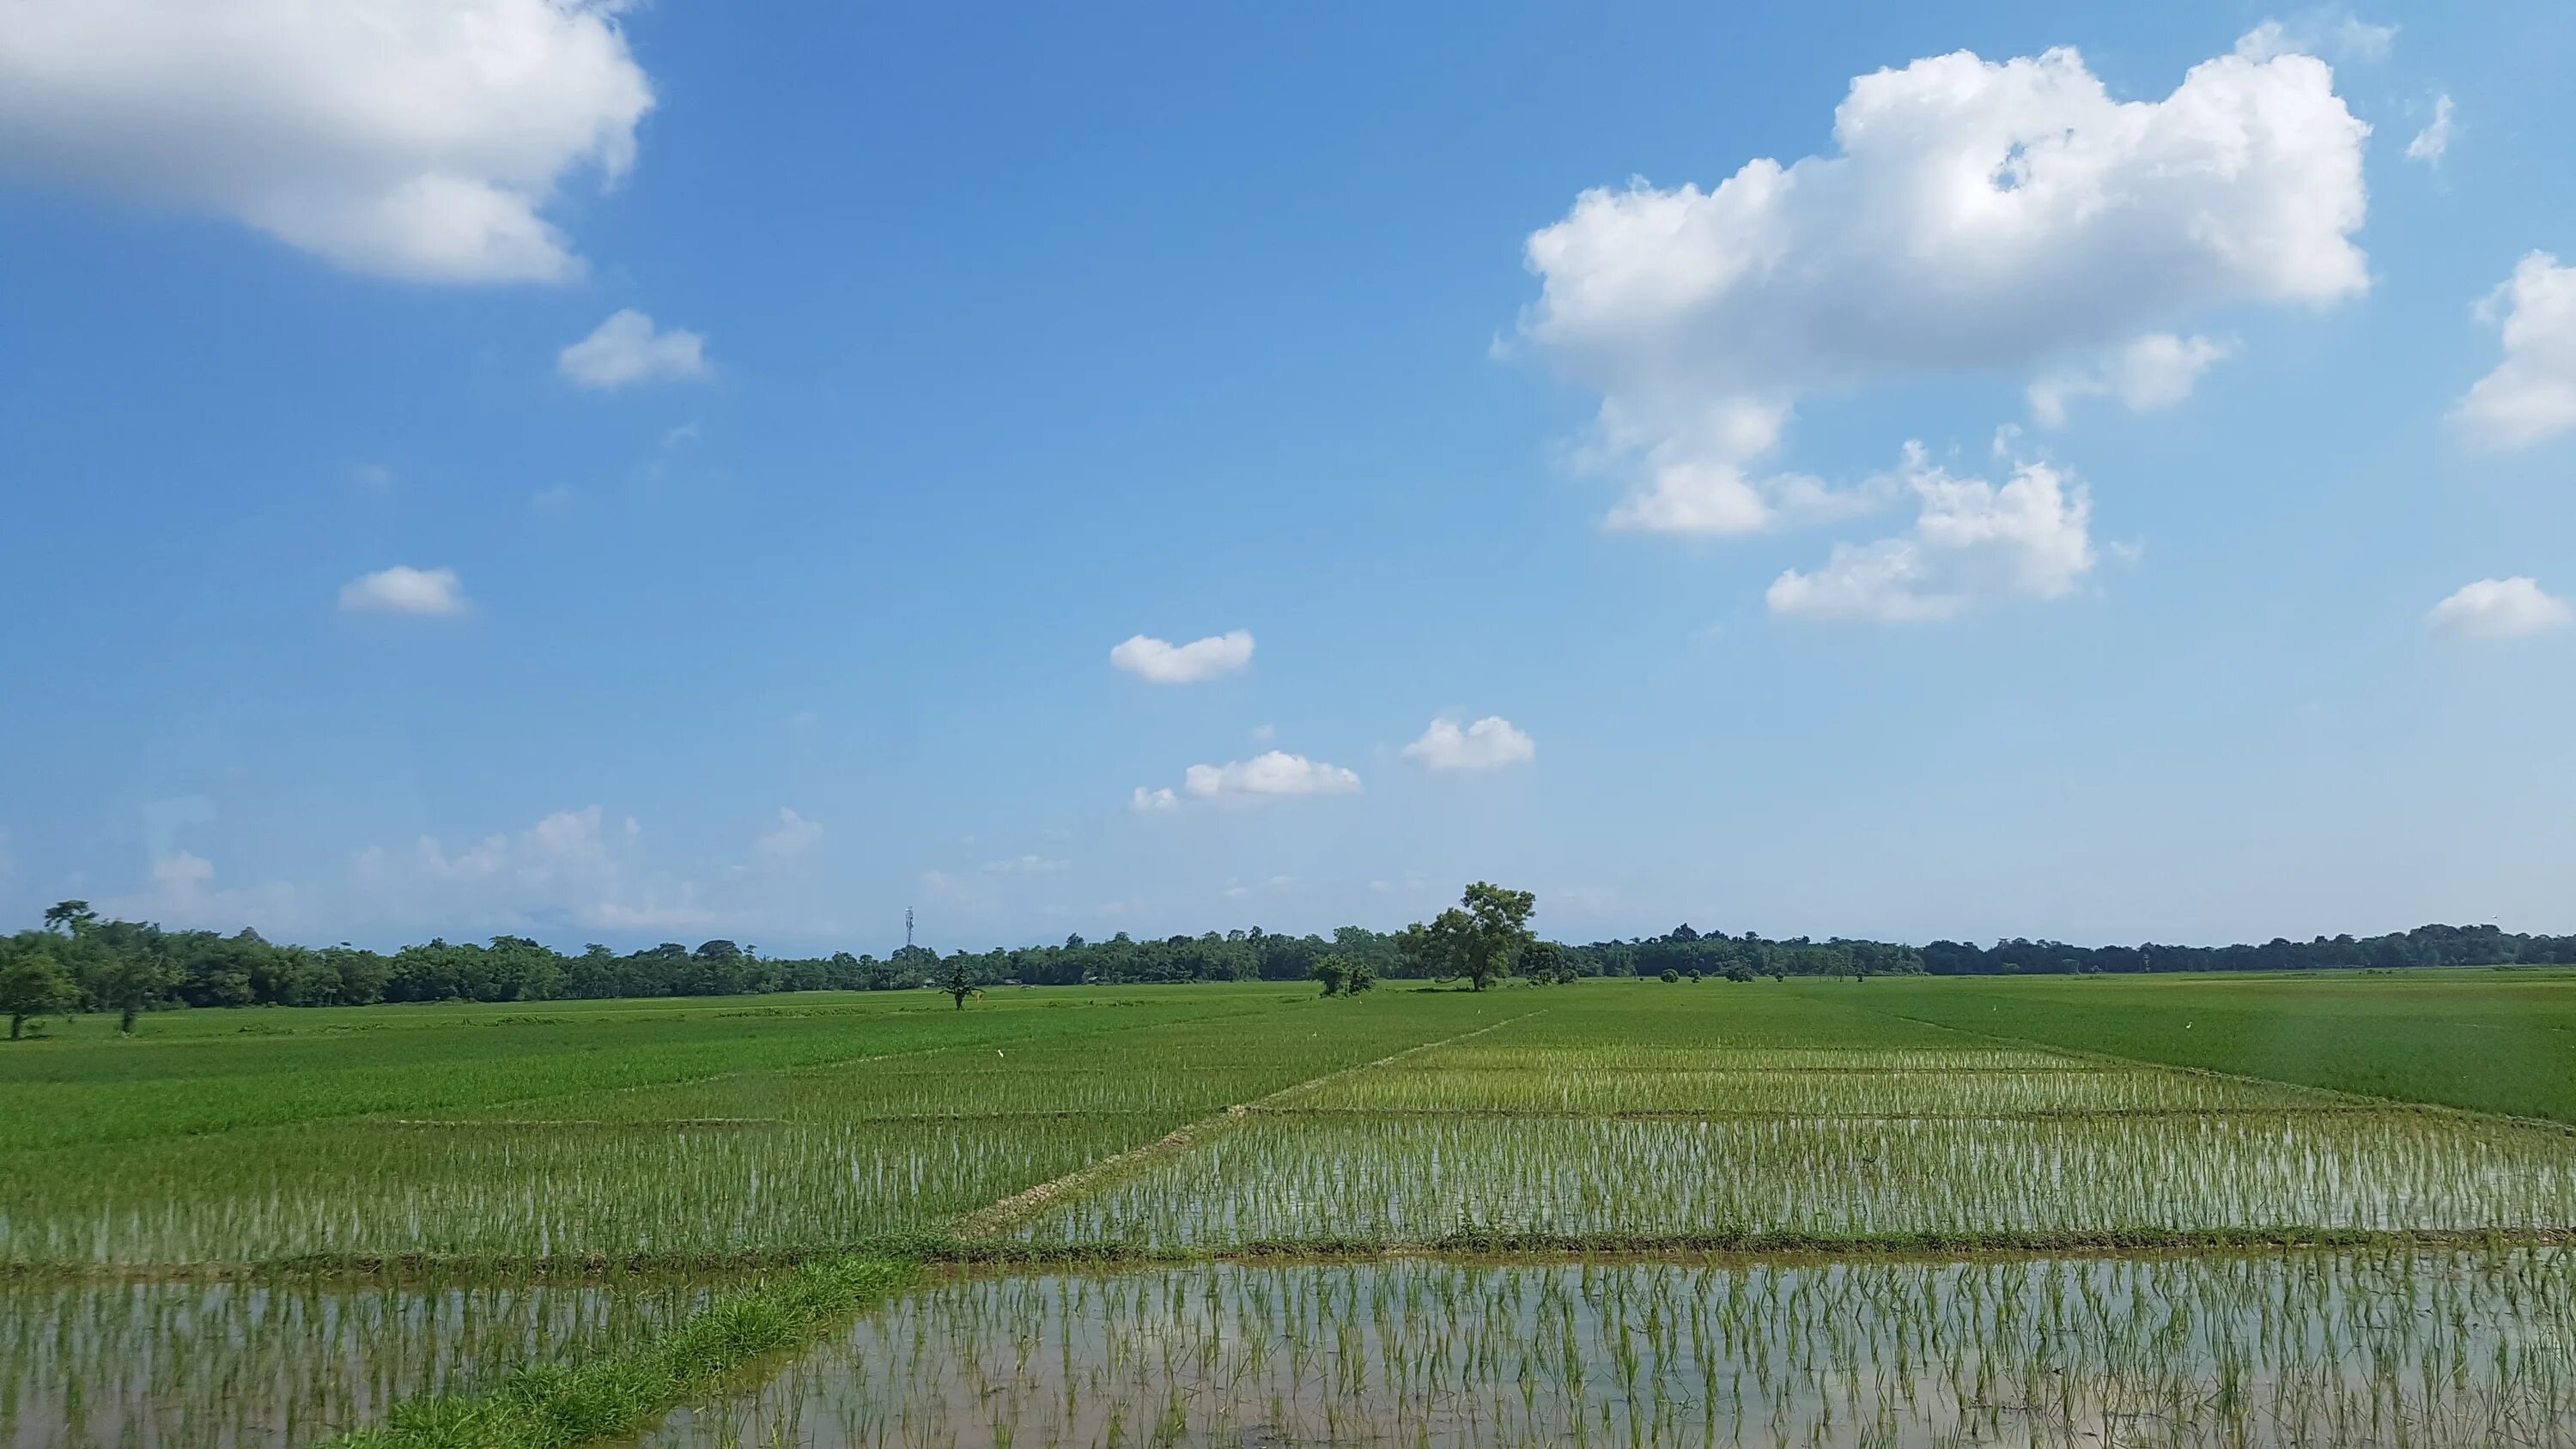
(773, 1164)
(162, 1203)
(2486, 1041)
(2428, 1349)
(189, 1363)
(1845, 1089)
(1285, 1179)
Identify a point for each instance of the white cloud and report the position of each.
(2156, 371)
(1166, 663)
(1488, 744)
(2433, 142)
(1973, 543)
(562, 872)
(1698, 480)
(2501, 609)
(404, 590)
(182, 894)
(2334, 33)
(413, 139)
(1979, 215)
(1028, 865)
(794, 836)
(1270, 775)
(374, 477)
(2531, 395)
(627, 349)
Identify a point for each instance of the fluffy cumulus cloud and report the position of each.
(1267, 775)
(1164, 662)
(2531, 395)
(794, 836)
(404, 590)
(1973, 543)
(414, 139)
(2501, 609)
(1271, 775)
(628, 348)
(1488, 744)
(1978, 216)
(2158, 370)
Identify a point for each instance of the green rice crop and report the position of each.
(1419, 1179)
(112, 1362)
(2487, 1041)
(477, 1145)
(2429, 1350)
(1593, 1091)
(519, 1193)
(775, 1163)
(61, 1093)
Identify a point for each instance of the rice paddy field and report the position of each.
(1929, 1212)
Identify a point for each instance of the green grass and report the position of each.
(2486, 1041)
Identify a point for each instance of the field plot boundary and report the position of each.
(1686, 1114)
(1010, 1212)
(1010, 1258)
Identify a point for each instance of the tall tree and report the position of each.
(69, 917)
(1479, 938)
(1500, 930)
(33, 984)
(961, 981)
(127, 976)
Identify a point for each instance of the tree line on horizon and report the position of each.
(79, 961)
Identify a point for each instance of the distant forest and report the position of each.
(95, 964)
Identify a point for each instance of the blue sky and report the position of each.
(370, 575)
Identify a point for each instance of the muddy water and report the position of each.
(213, 1365)
(2290, 1349)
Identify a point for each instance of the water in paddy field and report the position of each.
(2425, 1349)
(215, 1365)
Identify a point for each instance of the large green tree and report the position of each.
(125, 978)
(1479, 938)
(33, 984)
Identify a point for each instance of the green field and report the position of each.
(2488, 1041)
(2178, 1204)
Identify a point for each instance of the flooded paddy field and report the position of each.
(2307, 1348)
(1233, 1217)
(231, 1365)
